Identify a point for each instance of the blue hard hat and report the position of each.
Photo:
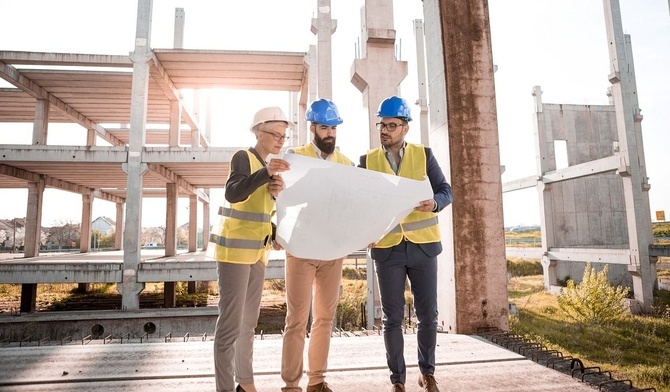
(394, 107)
(324, 112)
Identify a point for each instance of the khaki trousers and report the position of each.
(304, 277)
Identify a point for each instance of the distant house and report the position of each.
(104, 225)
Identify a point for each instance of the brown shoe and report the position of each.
(398, 387)
(321, 387)
(428, 383)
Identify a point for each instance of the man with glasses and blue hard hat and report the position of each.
(304, 276)
(410, 249)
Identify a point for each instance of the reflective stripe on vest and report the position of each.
(236, 242)
(418, 227)
(245, 226)
(244, 215)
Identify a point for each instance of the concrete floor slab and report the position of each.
(357, 363)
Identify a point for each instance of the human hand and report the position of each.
(276, 245)
(276, 166)
(276, 185)
(426, 205)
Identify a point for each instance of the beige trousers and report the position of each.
(304, 277)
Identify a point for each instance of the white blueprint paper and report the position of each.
(328, 210)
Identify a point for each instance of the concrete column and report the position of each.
(175, 122)
(545, 162)
(378, 74)
(41, 124)
(439, 140)
(304, 135)
(91, 137)
(324, 27)
(205, 222)
(179, 22)
(130, 288)
(86, 215)
(28, 297)
(373, 305)
(195, 132)
(421, 79)
(480, 272)
(118, 231)
(34, 219)
(638, 215)
(170, 294)
(192, 223)
(171, 198)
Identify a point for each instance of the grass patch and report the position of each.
(634, 347)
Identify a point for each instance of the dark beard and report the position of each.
(324, 146)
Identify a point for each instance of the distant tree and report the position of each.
(153, 234)
(65, 232)
(182, 237)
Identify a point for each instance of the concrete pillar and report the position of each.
(41, 124)
(130, 288)
(28, 297)
(303, 134)
(171, 200)
(638, 215)
(33, 219)
(170, 294)
(86, 218)
(479, 272)
(421, 79)
(378, 74)
(324, 27)
(118, 231)
(195, 132)
(192, 223)
(90, 137)
(175, 123)
(205, 222)
(545, 162)
(179, 22)
(373, 305)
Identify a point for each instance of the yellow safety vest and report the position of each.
(418, 227)
(310, 151)
(246, 226)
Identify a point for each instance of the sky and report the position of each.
(558, 45)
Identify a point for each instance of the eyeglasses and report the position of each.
(277, 136)
(391, 127)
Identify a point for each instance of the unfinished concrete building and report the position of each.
(596, 208)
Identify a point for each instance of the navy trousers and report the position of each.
(408, 260)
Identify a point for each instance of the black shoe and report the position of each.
(239, 388)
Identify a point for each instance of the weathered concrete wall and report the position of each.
(590, 211)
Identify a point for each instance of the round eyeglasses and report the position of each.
(277, 137)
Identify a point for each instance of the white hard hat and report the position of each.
(271, 113)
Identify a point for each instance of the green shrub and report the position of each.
(594, 300)
(524, 267)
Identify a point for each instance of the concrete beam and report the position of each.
(595, 255)
(603, 165)
(13, 76)
(74, 59)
